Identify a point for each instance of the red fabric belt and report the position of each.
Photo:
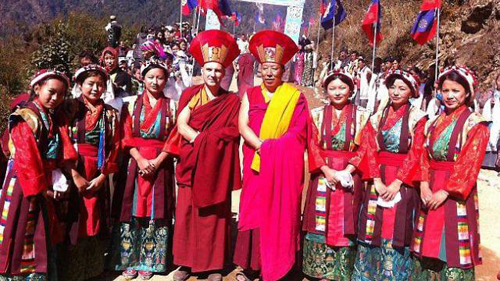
(87, 150)
(391, 159)
(153, 143)
(442, 165)
(338, 154)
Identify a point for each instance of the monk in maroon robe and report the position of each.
(206, 140)
(245, 74)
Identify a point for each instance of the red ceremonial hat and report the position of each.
(272, 46)
(44, 73)
(214, 46)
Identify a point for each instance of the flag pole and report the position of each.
(334, 21)
(198, 22)
(194, 20)
(180, 22)
(319, 31)
(375, 28)
(197, 29)
(436, 74)
(373, 62)
(332, 66)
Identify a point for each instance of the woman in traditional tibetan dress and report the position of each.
(299, 67)
(309, 58)
(148, 196)
(94, 129)
(447, 233)
(392, 141)
(39, 146)
(331, 212)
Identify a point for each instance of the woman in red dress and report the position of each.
(392, 142)
(332, 210)
(447, 233)
(95, 130)
(39, 147)
(148, 188)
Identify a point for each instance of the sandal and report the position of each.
(129, 274)
(244, 277)
(181, 275)
(145, 275)
(215, 277)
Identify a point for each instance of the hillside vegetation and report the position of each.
(470, 34)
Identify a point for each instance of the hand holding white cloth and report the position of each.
(389, 204)
(345, 179)
(59, 181)
(330, 185)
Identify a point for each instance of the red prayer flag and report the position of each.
(430, 5)
(220, 8)
(371, 19)
(323, 7)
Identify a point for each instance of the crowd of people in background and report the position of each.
(133, 170)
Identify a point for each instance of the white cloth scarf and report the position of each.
(493, 115)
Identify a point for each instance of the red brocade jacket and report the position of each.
(372, 144)
(28, 141)
(392, 142)
(332, 214)
(38, 145)
(88, 129)
(146, 127)
(454, 150)
(96, 133)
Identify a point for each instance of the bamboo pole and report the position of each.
(436, 74)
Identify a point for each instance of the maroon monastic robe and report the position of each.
(208, 170)
(245, 74)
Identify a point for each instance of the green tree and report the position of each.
(55, 52)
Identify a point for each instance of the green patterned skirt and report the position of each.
(325, 262)
(24, 277)
(434, 269)
(383, 263)
(143, 245)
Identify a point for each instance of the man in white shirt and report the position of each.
(242, 43)
(363, 75)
